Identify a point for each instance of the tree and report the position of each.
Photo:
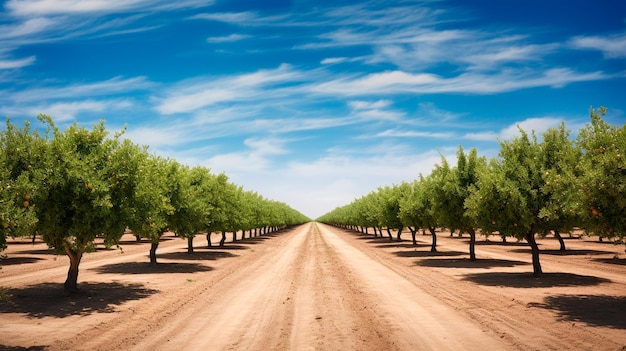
(559, 159)
(190, 194)
(602, 189)
(416, 207)
(510, 193)
(454, 185)
(152, 206)
(389, 207)
(87, 181)
(20, 156)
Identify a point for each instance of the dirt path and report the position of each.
(313, 287)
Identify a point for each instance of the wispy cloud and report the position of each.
(30, 8)
(228, 38)
(612, 46)
(9, 64)
(189, 96)
(116, 85)
(538, 125)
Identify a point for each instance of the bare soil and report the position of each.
(316, 287)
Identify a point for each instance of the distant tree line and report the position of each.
(534, 187)
(74, 185)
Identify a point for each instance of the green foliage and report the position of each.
(602, 180)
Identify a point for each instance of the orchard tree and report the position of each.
(190, 194)
(603, 176)
(416, 208)
(510, 195)
(21, 155)
(87, 186)
(152, 205)
(389, 207)
(559, 159)
(454, 188)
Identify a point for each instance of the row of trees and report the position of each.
(533, 188)
(74, 185)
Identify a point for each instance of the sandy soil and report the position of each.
(315, 287)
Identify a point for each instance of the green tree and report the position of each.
(559, 159)
(416, 207)
(602, 189)
(20, 170)
(454, 188)
(190, 194)
(510, 196)
(87, 183)
(152, 206)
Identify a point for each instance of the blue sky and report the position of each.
(314, 103)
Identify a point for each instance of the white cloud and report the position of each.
(25, 8)
(537, 125)
(394, 133)
(192, 95)
(9, 64)
(613, 46)
(117, 85)
(366, 105)
(228, 38)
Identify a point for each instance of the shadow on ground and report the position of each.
(428, 253)
(566, 252)
(527, 280)
(614, 260)
(596, 310)
(12, 260)
(197, 255)
(466, 263)
(147, 268)
(49, 300)
(20, 348)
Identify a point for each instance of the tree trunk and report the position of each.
(557, 234)
(190, 245)
(234, 236)
(472, 245)
(153, 247)
(375, 233)
(433, 247)
(530, 237)
(366, 230)
(208, 239)
(223, 239)
(71, 283)
(138, 238)
(413, 232)
(389, 234)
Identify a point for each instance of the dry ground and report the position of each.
(315, 287)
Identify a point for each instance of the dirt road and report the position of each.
(310, 288)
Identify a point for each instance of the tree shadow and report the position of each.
(614, 260)
(196, 255)
(11, 260)
(596, 310)
(227, 247)
(50, 300)
(405, 244)
(500, 243)
(528, 280)
(574, 252)
(40, 252)
(428, 253)
(147, 268)
(466, 263)
(20, 348)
